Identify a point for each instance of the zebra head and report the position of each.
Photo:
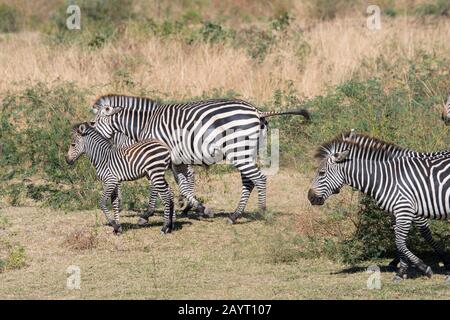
(446, 111)
(329, 177)
(103, 109)
(77, 146)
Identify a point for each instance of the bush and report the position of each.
(82, 239)
(438, 8)
(374, 236)
(402, 112)
(15, 258)
(9, 19)
(35, 135)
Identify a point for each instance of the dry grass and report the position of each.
(255, 259)
(337, 49)
(81, 239)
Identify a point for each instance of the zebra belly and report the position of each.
(218, 145)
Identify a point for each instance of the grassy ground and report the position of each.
(278, 54)
(205, 259)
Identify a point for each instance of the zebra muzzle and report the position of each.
(314, 199)
(68, 160)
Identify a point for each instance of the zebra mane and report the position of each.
(120, 100)
(361, 141)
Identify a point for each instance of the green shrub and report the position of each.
(256, 42)
(390, 12)
(406, 113)
(438, 8)
(374, 236)
(9, 18)
(15, 259)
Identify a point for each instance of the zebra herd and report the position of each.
(132, 137)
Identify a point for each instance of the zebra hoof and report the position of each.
(447, 279)
(397, 279)
(117, 229)
(147, 214)
(200, 210)
(209, 213)
(230, 220)
(185, 211)
(142, 221)
(165, 230)
(429, 272)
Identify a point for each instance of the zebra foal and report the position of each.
(413, 186)
(149, 158)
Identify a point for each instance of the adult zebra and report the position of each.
(446, 111)
(199, 133)
(113, 165)
(413, 186)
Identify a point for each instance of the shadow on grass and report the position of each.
(126, 226)
(428, 257)
(246, 217)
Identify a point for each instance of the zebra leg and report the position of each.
(402, 226)
(181, 198)
(181, 172)
(143, 219)
(191, 186)
(394, 263)
(162, 187)
(260, 181)
(425, 231)
(115, 200)
(108, 189)
(247, 187)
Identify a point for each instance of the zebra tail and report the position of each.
(301, 112)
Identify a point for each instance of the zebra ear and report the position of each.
(340, 156)
(109, 111)
(82, 129)
(352, 134)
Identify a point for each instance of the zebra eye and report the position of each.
(321, 173)
(73, 144)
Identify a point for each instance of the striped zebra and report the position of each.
(197, 133)
(150, 158)
(446, 111)
(121, 140)
(413, 186)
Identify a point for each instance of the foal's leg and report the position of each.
(162, 187)
(115, 200)
(143, 219)
(108, 189)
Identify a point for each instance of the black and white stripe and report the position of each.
(413, 186)
(149, 158)
(199, 133)
(121, 140)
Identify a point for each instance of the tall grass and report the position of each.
(283, 54)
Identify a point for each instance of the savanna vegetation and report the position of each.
(282, 54)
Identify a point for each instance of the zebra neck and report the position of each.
(370, 177)
(99, 152)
